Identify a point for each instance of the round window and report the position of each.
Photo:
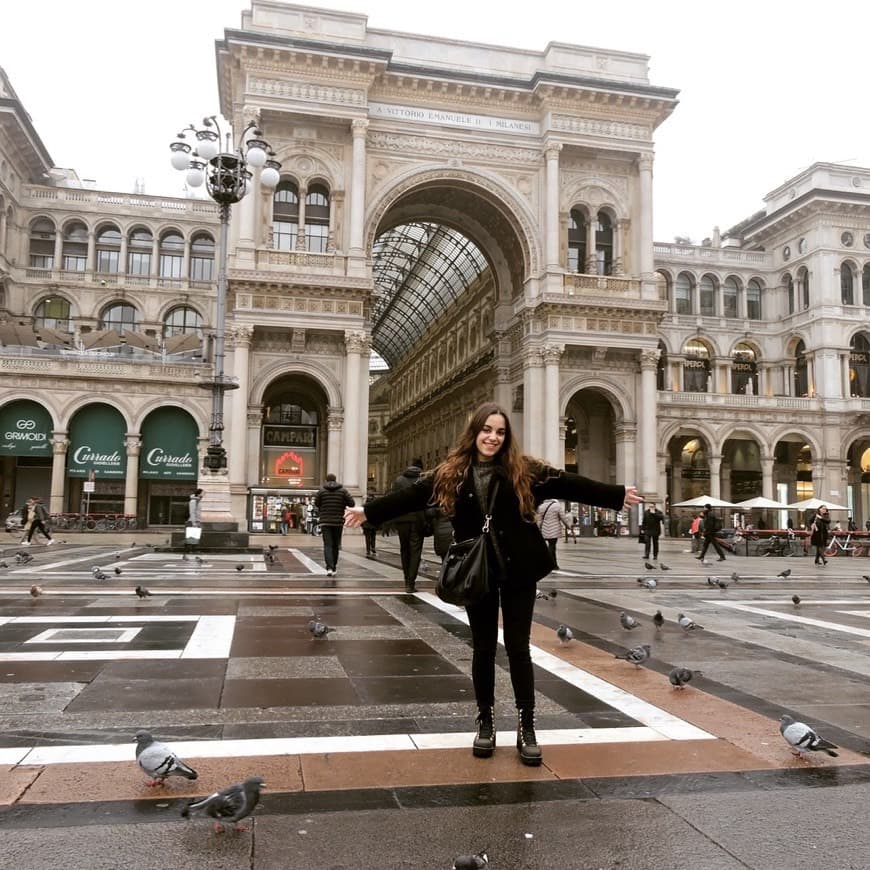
(847, 239)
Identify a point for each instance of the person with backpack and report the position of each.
(37, 520)
(550, 518)
(710, 527)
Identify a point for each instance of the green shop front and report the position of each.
(25, 453)
(168, 466)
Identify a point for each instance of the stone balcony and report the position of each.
(71, 277)
(738, 401)
(694, 254)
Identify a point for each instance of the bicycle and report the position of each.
(837, 547)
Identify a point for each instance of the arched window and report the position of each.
(202, 257)
(317, 218)
(789, 291)
(139, 247)
(801, 376)
(683, 293)
(847, 284)
(108, 250)
(744, 370)
(803, 286)
(708, 295)
(696, 368)
(865, 285)
(604, 245)
(285, 216)
(730, 291)
(53, 313)
(171, 255)
(859, 366)
(576, 241)
(182, 320)
(663, 284)
(753, 299)
(42, 235)
(75, 247)
(119, 316)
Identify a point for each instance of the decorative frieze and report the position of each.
(306, 92)
(408, 144)
(600, 127)
(296, 304)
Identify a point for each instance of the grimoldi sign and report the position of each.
(289, 436)
(25, 429)
(453, 119)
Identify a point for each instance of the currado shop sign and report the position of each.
(25, 430)
(168, 446)
(96, 436)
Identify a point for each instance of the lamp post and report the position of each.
(227, 178)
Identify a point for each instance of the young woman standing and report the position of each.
(819, 534)
(486, 464)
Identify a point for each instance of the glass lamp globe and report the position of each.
(195, 177)
(269, 177)
(255, 156)
(180, 158)
(206, 145)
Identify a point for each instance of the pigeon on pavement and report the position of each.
(865, 576)
(735, 576)
(796, 600)
(542, 596)
(4, 564)
(240, 567)
(649, 567)
(564, 634)
(118, 570)
(664, 567)
(36, 591)
(636, 655)
(784, 574)
(471, 862)
(687, 624)
(658, 619)
(712, 581)
(230, 805)
(158, 760)
(627, 622)
(319, 629)
(722, 583)
(554, 593)
(802, 738)
(680, 676)
(649, 583)
(142, 592)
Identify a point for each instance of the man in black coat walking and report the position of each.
(410, 527)
(652, 529)
(710, 526)
(330, 501)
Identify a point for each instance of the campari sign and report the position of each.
(291, 467)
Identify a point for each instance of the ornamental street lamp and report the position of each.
(227, 179)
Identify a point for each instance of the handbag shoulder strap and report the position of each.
(488, 517)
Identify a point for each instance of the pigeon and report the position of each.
(712, 581)
(319, 629)
(95, 569)
(865, 576)
(158, 760)
(4, 564)
(627, 622)
(664, 567)
(637, 655)
(649, 566)
(118, 571)
(784, 574)
(101, 576)
(471, 862)
(542, 596)
(142, 592)
(273, 547)
(36, 591)
(735, 576)
(230, 805)
(658, 619)
(23, 558)
(802, 738)
(564, 634)
(687, 624)
(796, 600)
(680, 676)
(240, 567)
(199, 560)
(722, 583)
(649, 583)
(554, 593)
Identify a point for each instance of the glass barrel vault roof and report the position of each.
(420, 269)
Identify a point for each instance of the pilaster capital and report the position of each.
(645, 162)
(552, 353)
(335, 421)
(649, 359)
(59, 443)
(251, 113)
(254, 416)
(358, 127)
(241, 334)
(532, 358)
(133, 443)
(625, 433)
(355, 342)
(551, 150)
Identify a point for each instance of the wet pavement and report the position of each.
(364, 736)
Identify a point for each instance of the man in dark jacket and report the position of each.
(710, 526)
(651, 526)
(330, 501)
(409, 527)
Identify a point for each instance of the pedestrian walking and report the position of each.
(651, 525)
(819, 534)
(370, 533)
(409, 527)
(695, 532)
(331, 500)
(710, 527)
(37, 520)
(551, 518)
(485, 467)
(194, 508)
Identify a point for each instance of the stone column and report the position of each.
(355, 342)
(57, 261)
(533, 405)
(625, 437)
(335, 424)
(3, 229)
(122, 257)
(92, 251)
(185, 262)
(330, 236)
(242, 336)
(620, 247)
(59, 447)
(552, 353)
(645, 234)
(767, 477)
(715, 465)
(647, 416)
(155, 257)
(133, 444)
(844, 375)
(301, 240)
(590, 267)
(363, 434)
(358, 186)
(551, 153)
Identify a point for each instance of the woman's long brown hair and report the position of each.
(450, 474)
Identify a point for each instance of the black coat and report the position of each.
(330, 502)
(819, 537)
(651, 524)
(527, 557)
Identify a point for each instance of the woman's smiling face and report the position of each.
(491, 437)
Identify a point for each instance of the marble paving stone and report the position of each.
(256, 644)
(369, 632)
(145, 694)
(398, 666)
(384, 647)
(162, 669)
(284, 667)
(50, 672)
(278, 608)
(334, 726)
(303, 692)
(14, 781)
(31, 699)
(397, 690)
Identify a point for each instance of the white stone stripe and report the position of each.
(211, 639)
(309, 563)
(666, 724)
(793, 617)
(90, 620)
(270, 746)
(91, 655)
(208, 592)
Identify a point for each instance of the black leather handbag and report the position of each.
(464, 575)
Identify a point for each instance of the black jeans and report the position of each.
(371, 536)
(654, 540)
(331, 545)
(411, 546)
(712, 540)
(517, 607)
(551, 543)
(38, 524)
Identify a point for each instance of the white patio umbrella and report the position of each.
(812, 504)
(702, 500)
(762, 503)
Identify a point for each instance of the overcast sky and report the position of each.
(766, 88)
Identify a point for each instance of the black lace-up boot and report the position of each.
(527, 742)
(484, 740)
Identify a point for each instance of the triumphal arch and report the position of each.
(478, 217)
